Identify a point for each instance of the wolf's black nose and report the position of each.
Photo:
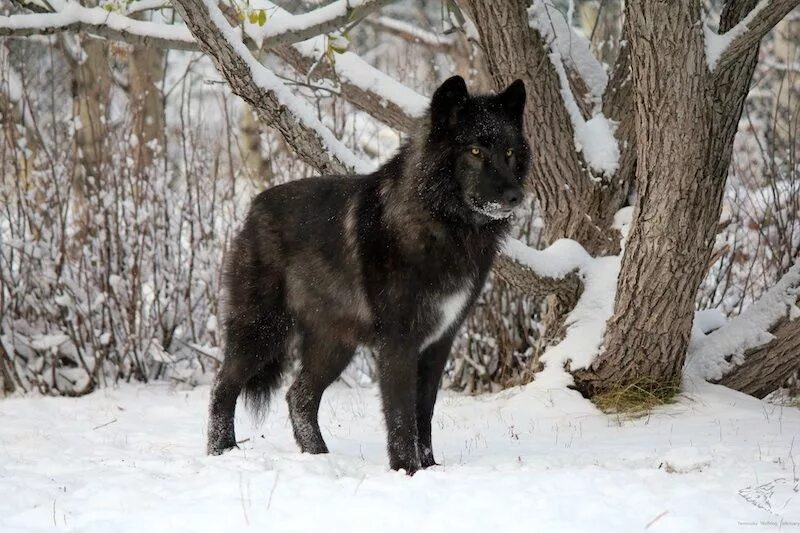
(512, 197)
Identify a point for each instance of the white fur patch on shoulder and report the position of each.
(450, 309)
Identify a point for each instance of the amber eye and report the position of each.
(475, 151)
(509, 152)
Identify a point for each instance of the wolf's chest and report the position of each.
(446, 310)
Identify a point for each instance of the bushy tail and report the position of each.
(258, 390)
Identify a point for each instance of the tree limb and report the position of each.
(768, 367)
(756, 351)
(534, 284)
(274, 104)
(747, 34)
(75, 17)
(370, 100)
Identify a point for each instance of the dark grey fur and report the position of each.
(392, 260)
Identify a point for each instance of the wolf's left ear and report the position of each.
(447, 101)
(513, 99)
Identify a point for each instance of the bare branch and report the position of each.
(722, 50)
(412, 34)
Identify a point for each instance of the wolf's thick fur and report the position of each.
(392, 260)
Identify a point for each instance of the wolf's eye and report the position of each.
(509, 152)
(475, 151)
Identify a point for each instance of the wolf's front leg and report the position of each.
(430, 367)
(397, 375)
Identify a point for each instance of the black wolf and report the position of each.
(392, 260)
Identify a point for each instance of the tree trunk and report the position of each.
(258, 167)
(686, 120)
(146, 68)
(91, 82)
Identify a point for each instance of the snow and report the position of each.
(708, 355)
(595, 137)
(716, 44)
(586, 323)
(132, 459)
(277, 24)
(707, 320)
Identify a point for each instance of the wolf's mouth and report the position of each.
(492, 210)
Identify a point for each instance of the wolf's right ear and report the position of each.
(446, 102)
(513, 99)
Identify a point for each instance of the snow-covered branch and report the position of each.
(361, 84)
(595, 136)
(573, 49)
(565, 265)
(723, 49)
(74, 17)
(71, 16)
(748, 350)
(272, 101)
(542, 272)
(321, 20)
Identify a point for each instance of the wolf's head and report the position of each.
(479, 141)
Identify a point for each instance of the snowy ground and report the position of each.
(131, 459)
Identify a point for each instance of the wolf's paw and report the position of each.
(409, 466)
(314, 447)
(219, 448)
(428, 460)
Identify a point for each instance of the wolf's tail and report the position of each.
(258, 390)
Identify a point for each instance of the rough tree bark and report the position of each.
(681, 181)
(677, 207)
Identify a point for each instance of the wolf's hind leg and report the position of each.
(322, 362)
(227, 385)
(254, 356)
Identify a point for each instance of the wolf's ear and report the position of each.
(513, 99)
(447, 101)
